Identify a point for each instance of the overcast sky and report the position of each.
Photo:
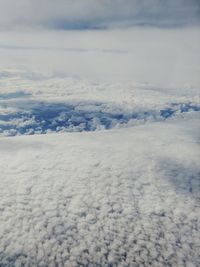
(89, 14)
(53, 36)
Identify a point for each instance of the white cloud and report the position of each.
(120, 198)
(166, 57)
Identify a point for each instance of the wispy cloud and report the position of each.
(94, 14)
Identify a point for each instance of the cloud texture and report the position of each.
(84, 14)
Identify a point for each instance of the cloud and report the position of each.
(92, 14)
(128, 198)
(23, 114)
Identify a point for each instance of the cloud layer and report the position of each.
(92, 14)
(128, 198)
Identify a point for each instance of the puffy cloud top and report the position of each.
(89, 14)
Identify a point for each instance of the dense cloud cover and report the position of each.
(92, 14)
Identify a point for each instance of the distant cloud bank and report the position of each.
(97, 14)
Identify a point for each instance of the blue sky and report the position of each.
(95, 14)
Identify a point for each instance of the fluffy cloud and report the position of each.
(68, 14)
(128, 198)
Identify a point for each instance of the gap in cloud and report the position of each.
(33, 117)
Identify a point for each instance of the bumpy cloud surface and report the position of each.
(84, 14)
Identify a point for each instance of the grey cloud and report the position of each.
(83, 14)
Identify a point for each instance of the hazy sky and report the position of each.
(62, 36)
(89, 14)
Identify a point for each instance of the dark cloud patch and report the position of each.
(95, 14)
